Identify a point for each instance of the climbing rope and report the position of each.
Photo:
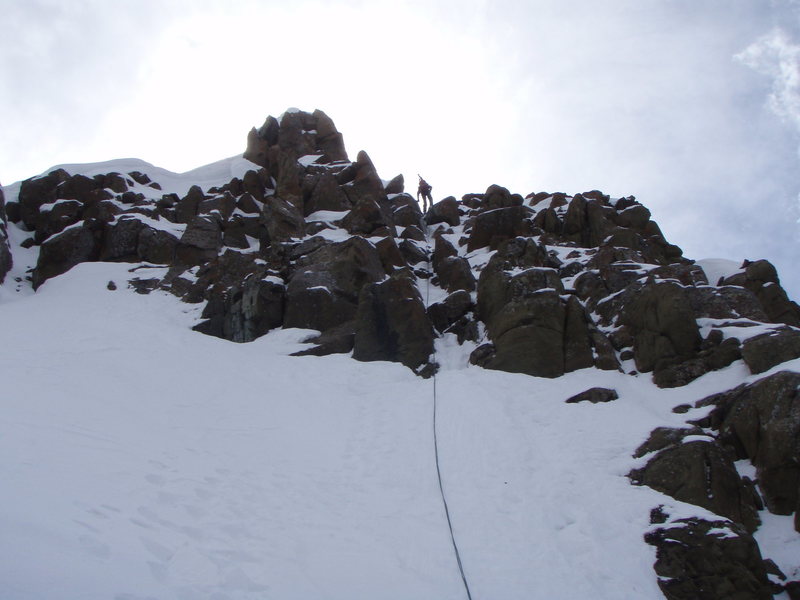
(436, 438)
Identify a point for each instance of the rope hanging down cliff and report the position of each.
(436, 437)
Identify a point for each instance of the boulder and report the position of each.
(444, 211)
(455, 273)
(156, 246)
(497, 288)
(365, 218)
(121, 240)
(761, 278)
(707, 560)
(282, 220)
(547, 220)
(499, 197)
(323, 292)
(367, 188)
(248, 204)
(445, 314)
(635, 217)
(442, 249)
(328, 139)
(337, 340)
(406, 212)
(412, 253)
(528, 335)
(391, 257)
(761, 422)
(391, 323)
(297, 133)
(728, 302)
(396, 185)
(222, 204)
(201, 241)
(56, 218)
(259, 141)
(606, 356)
(61, 252)
(662, 324)
(586, 222)
(236, 230)
(594, 395)
(412, 232)
(255, 184)
(186, 207)
(701, 473)
(253, 309)
(35, 192)
(327, 195)
(244, 298)
(770, 349)
(493, 227)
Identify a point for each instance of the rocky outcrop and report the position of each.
(757, 422)
(575, 281)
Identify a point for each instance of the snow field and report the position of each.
(142, 460)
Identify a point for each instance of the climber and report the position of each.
(424, 190)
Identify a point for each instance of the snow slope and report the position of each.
(142, 460)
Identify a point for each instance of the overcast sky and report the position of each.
(693, 106)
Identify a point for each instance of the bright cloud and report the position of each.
(776, 56)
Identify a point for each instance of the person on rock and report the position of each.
(424, 190)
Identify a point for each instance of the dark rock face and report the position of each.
(761, 278)
(406, 213)
(491, 228)
(767, 350)
(246, 312)
(444, 315)
(6, 260)
(282, 220)
(444, 211)
(391, 323)
(324, 290)
(65, 250)
(156, 246)
(761, 422)
(200, 242)
(701, 473)
(708, 560)
(326, 195)
(663, 326)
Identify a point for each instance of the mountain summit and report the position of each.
(581, 289)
